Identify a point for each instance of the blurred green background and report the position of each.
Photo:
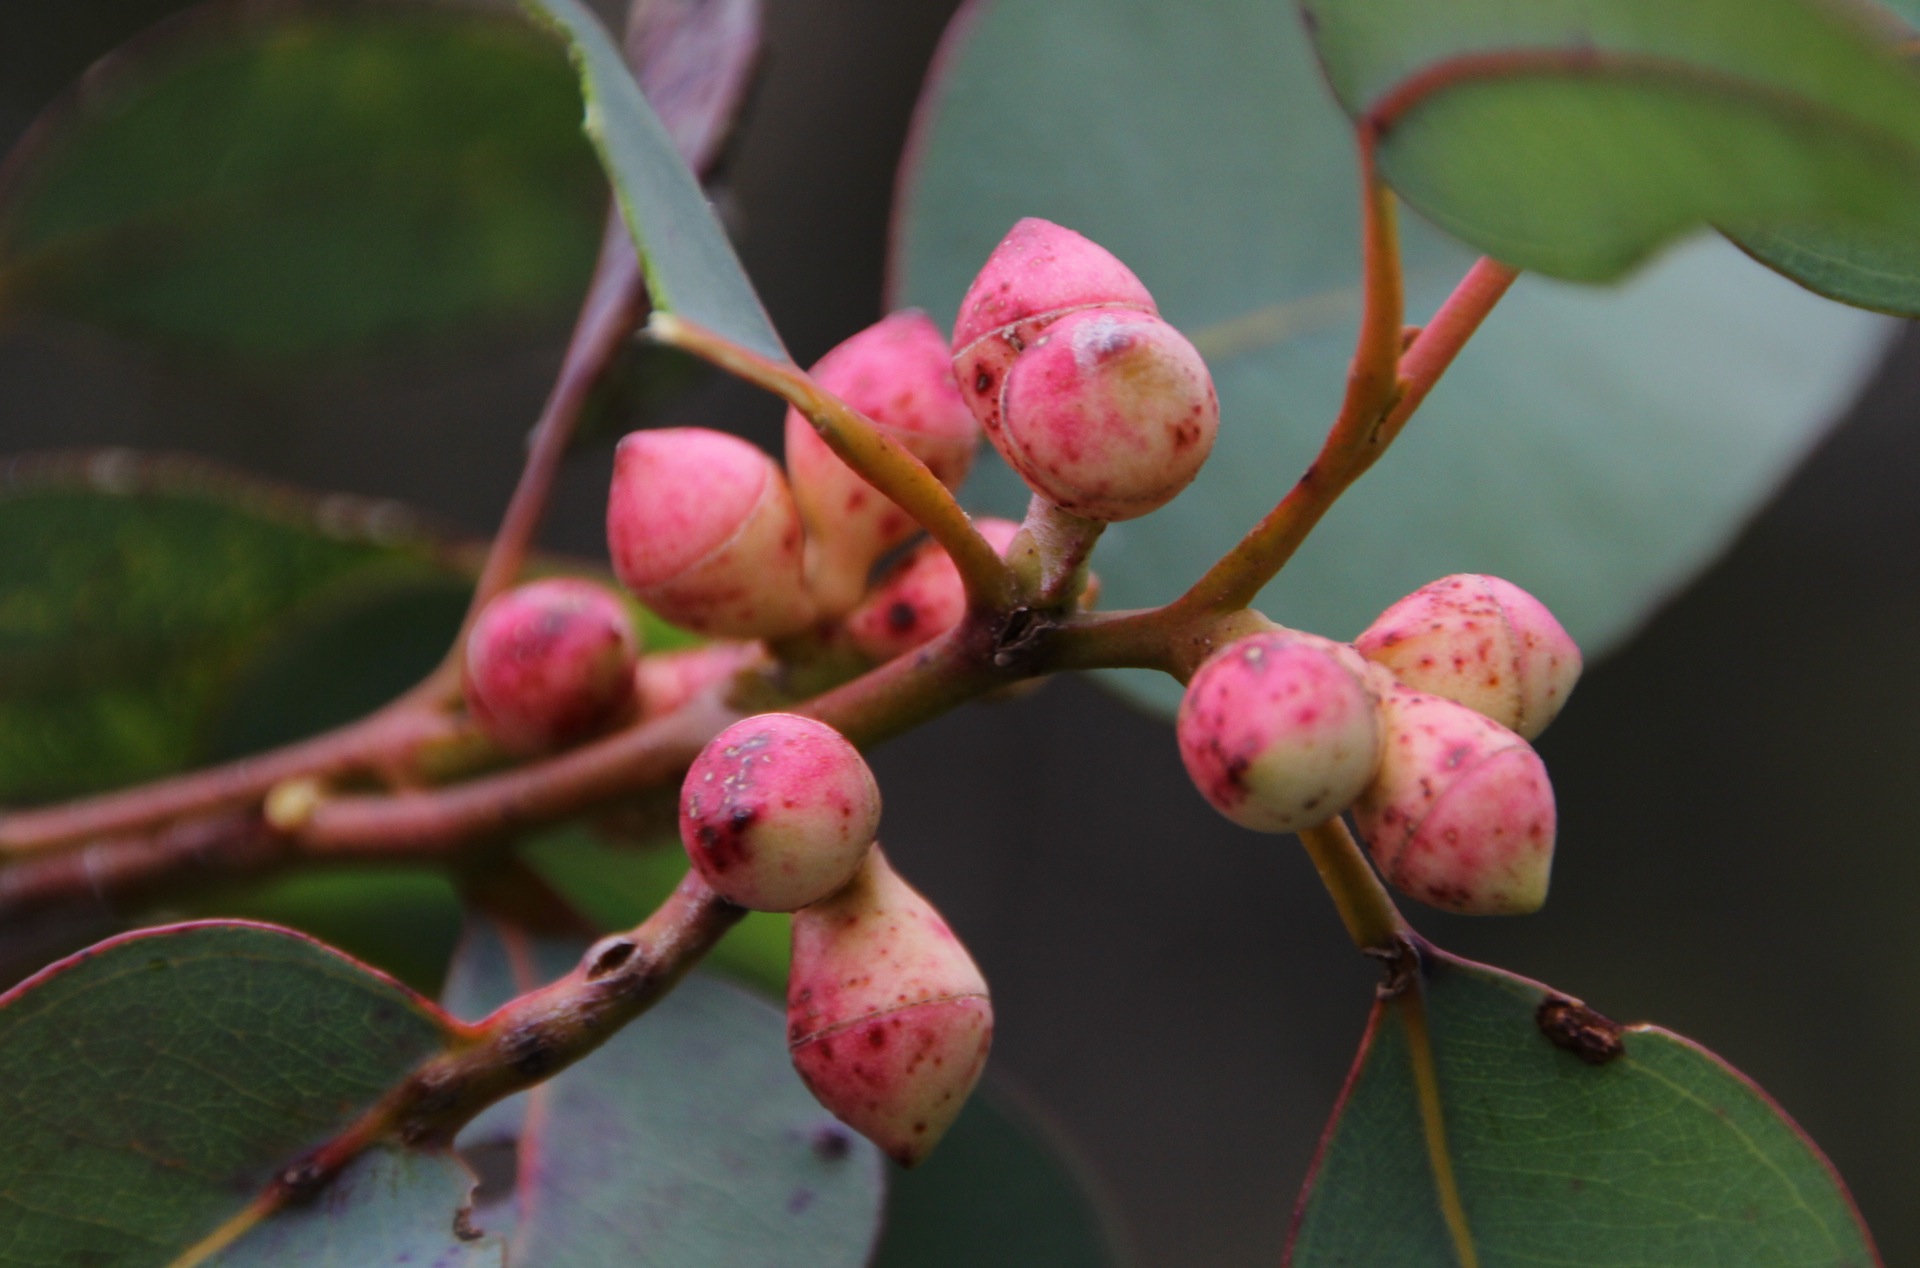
(1737, 831)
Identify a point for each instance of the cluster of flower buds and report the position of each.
(1104, 409)
(1421, 729)
(888, 1017)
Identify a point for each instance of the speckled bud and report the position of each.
(1482, 642)
(920, 600)
(1104, 409)
(1108, 414)
(703, 529)
(1461, 816)
(549, 663)
(898, 373)
(1279, 730)
(777, 811)
(667, 680)
(888, 1019)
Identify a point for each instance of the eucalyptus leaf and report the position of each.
(293, 178)
(138, 594)
(1597, 447)
(691, 268)
(686, 1141)
(1576, 137)
(152, 1086)
(1660, 1154)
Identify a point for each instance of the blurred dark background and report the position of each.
(1737, 857)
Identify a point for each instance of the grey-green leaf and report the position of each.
(691, 268)
(686, 1141)
(1597, 447)
(152, 1086)
(390, 1208)
(136, 593)
(298, 178)
(1576, 137)
(1661, 1155)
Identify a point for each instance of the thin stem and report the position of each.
(616, 301)
(526, 1042)
(879, 459)
(391, 734)
(1372, 921)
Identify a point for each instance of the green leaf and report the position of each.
(283, 179)
(615, 885)
(1002, 1189)
(1576, 137)
(1597, 448)
(153, 1085)
(686, 1141)
(135, 593)
(691, 269)
(1661, 1155)
(1858, 265)
(390, 1207)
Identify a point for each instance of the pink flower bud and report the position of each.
(1461, 816)
(1108, 414)
(549, 663)
(703, 529)
(888, 1019)
(920, 600)
(1279, 731)
(1481, 642)
(898, 373)
(777, 811)
(667, 680)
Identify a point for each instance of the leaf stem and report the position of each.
(1373, 922)
(1412, 1005)
(879, 459)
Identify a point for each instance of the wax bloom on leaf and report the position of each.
(549, 663)
(1481, 642)
(1461, 816)
(1102, 408)
(897, 373)
(777, 811)
(920, 599)
(703, 528)
(1280, 730)
(888, 1019)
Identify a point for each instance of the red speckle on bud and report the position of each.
(703, 529)
(1279, 731)
(898, 373)
(1461, 816)
(919, 600)
(549, 663)
(777, 811)
(1109, 414)
(1482, 642)
(888, 1019)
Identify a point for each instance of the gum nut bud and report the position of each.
(667, 680)
(1108, 415)
(920, 600)
(1461, 816)
(1482, 642)
(1279, 730)
(888, 1020)
(549, 663)
(898, 373)
(777, 811)
(703, 529)
(1039, 272)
